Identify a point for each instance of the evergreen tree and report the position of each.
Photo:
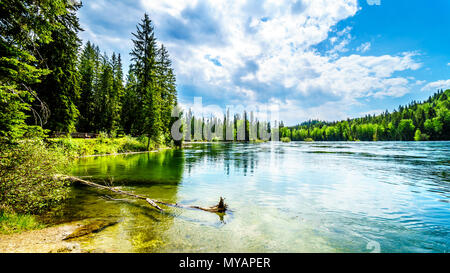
(130, 113)
(24, 25)
(144, 58)
(117, 93)
(87, 70)
(104, 113)
(167, 89)
(60, 88)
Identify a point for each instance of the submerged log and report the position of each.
(221, 207)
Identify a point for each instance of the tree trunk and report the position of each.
(221, 207)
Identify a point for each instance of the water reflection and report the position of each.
(234, 157)
(165, 168)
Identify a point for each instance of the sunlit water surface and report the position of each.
(283, 197)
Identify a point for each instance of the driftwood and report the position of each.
(221, 207)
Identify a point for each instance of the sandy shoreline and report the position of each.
(46, 240)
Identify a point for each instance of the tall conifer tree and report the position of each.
(144, 58)
(60, 89)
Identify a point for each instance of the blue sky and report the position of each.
(325, 59)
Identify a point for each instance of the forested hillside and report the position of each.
(428, 120)
(48, 80)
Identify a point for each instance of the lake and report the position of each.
(283, 197)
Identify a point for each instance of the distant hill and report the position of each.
(428, 120)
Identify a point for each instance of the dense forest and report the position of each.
(428, 120)
(50, 83)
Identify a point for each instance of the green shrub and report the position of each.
(129, 144)
(285, 139)
(35, 132)
(418, 136)
(27, 182)
(102, 135)
(309, 139)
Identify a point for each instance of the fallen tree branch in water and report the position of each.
(221, 207)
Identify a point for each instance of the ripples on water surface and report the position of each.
(284, 197)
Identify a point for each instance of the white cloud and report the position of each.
(433, 86)
(420, 82)
(279, 45)
(364, 47)
(356, 76)
(111, 41)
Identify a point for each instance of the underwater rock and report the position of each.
(92, 227)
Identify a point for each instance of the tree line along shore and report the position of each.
(419, 121)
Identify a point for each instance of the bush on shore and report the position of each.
(27, 182)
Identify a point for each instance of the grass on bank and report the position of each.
(98, 146)
(15, 223)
